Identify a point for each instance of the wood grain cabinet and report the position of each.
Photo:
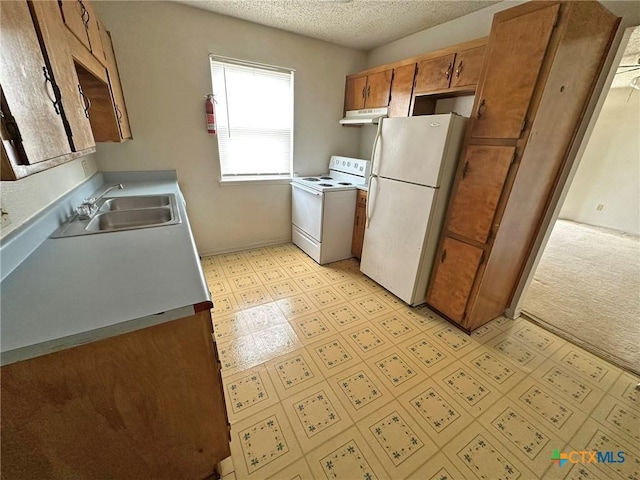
(80, 17)
(359, 223)
(542, 64)
(144, 404)
(456, 72)
(401, 90)
(370, 91)
(44, 120)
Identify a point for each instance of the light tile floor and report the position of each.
(328, 375)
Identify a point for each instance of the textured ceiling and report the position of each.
(631, 56)
(362, 24)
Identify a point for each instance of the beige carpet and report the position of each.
(587, 290)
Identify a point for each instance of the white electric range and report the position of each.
(323, 208)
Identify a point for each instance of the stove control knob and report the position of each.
(348, 164)
(343, 162)
(361, 169)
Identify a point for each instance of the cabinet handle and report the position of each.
(459, 69)
(481, 108)
(48, 82)
(368, 91)
(364, 92)
(85, 100)
(448, 72)
(443, 256)
(118, 114)
(84, 14)
(464, 169)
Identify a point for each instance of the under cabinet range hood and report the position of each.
(366, 116)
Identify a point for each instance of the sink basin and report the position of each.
(129, 219)
(130, 203)
(117, 214)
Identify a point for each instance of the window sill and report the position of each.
(254, 180)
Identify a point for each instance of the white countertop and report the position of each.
(75, 290)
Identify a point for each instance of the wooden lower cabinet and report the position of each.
(359, 223)
(145, 404)
(541, 69)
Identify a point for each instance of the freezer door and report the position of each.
(394, 238)
(411, 149)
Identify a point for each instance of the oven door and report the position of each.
(306, 210)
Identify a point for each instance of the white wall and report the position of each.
(25, 198)
(162, 51)
(609, 170)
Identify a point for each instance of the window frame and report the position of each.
(262, 178)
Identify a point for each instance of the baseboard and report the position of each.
(248, 246)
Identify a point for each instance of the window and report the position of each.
(254, 114)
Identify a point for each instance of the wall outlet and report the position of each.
(600, 207)
(6, 218)
(85, 167)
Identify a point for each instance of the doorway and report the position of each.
(586, 287)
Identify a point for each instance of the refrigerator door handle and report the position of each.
(369, 199)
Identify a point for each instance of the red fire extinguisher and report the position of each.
(211, 116)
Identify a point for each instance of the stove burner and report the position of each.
(325, 185)
(344, 183)
(310, 179)
(326, 178)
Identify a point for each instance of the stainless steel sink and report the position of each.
(128, 219)
(124, 213)
(130, 203)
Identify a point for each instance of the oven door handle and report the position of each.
(308, 190)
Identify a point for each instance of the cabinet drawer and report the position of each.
(455, 272)
(478, 191)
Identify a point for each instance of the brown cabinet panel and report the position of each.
(434, 74)
(480, 184)
(53, 32)
(359, 224)
(467, 67)
(116, 87)
(94, 32)
(356, 90)
(378, 89)
(455, 271)
(515, 54)
(75, 17)
(401, 90)
(30, 116)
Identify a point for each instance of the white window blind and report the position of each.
(254, 115)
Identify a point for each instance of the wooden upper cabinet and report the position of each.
(80, 17)
(31, 113)
(401, 90)
(479, 186)
(74, 103)
(434, 74)
(355, 92)
(378, 89)
(76, 18)
(454, 273)
(370, 91)
(116, 87)
(515, 53)
(467, 67)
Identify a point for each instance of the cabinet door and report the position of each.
(401, 90)
(378, 89)
(455, 272)
(75, 17)
(515, 52)
(52, 30)
(358, 231)
(355, 92)
(479, 188)
(93, 30)
(467, 67)
(434, 74)
(28, 96)
(116, 87)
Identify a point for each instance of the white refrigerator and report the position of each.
(414, 162)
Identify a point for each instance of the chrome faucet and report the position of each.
(89, 207)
